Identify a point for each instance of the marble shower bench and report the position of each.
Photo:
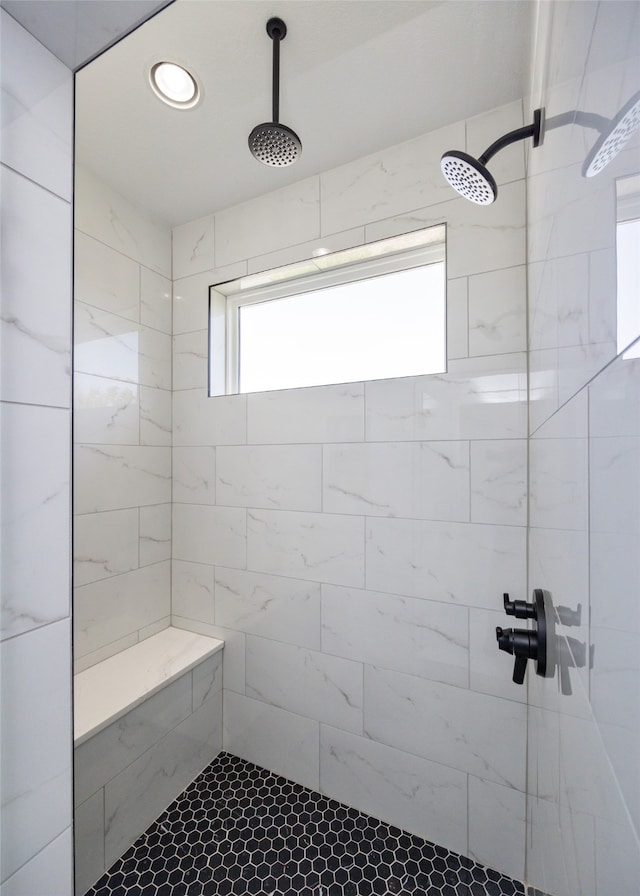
(146, 722)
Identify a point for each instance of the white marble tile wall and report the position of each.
(35, 427)
(584, 797)
(343, 537)
(122, 422)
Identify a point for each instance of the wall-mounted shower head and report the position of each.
(613, 137)
(272, 143)
(470, 177)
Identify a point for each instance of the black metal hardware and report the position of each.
(525, 644)
(518, 608)
(532, 130)
(277, 31)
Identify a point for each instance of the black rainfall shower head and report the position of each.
(272, 143)
(613, 137)
(470, 177)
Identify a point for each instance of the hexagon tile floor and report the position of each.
(239, 829)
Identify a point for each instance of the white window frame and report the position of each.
(403, 252)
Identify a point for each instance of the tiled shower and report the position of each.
(317, 530)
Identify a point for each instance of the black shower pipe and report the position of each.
(277, 31)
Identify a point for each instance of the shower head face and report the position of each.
(274, 144)
(469, 177)
(610, 143)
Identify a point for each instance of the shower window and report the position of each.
(372, 312)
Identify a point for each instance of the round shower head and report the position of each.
(611, 141)
(469, 177)
(274, 144)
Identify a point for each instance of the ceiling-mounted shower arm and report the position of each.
(530, 130)
(272, 143)
(277, 31)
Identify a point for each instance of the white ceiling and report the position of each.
(356, 76)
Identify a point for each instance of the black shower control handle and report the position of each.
(518, 608)
(525, 644)
(521, 643)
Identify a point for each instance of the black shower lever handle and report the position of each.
(519, 669)
(518, 608)
(522, 643)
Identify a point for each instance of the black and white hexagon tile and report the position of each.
(239, 829)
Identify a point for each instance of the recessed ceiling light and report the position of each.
(174, 85)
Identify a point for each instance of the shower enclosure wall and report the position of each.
(350, 544)
(582, 803)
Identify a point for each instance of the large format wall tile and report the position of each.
(279, 477)
(305, 682)
(247, 229)
(50, 871)
(276, 607)
(105, 278)
(417, 795)
(155, 300)
(155, 534)
(135, 797)
(476, 399)
(35, 516)
(111, 477)
(193, 247)
(420, 480)
(35, 334)
(498, 312)
(36, 759)
(499, 482)
(194, 475)
(422, 559)
(388, 183)
(111, 346)
(155, 416)
(192, 591)
(37, 112)
(105, 544)
(317, 414)
(497, 823)
(200, 420)
(285, 742)
(407, 634)
(110, 609)
(205, 534)
(318, 547)
(89, 841)
(105, 411)
(190, 360)
(105, 215)
(438, 722)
